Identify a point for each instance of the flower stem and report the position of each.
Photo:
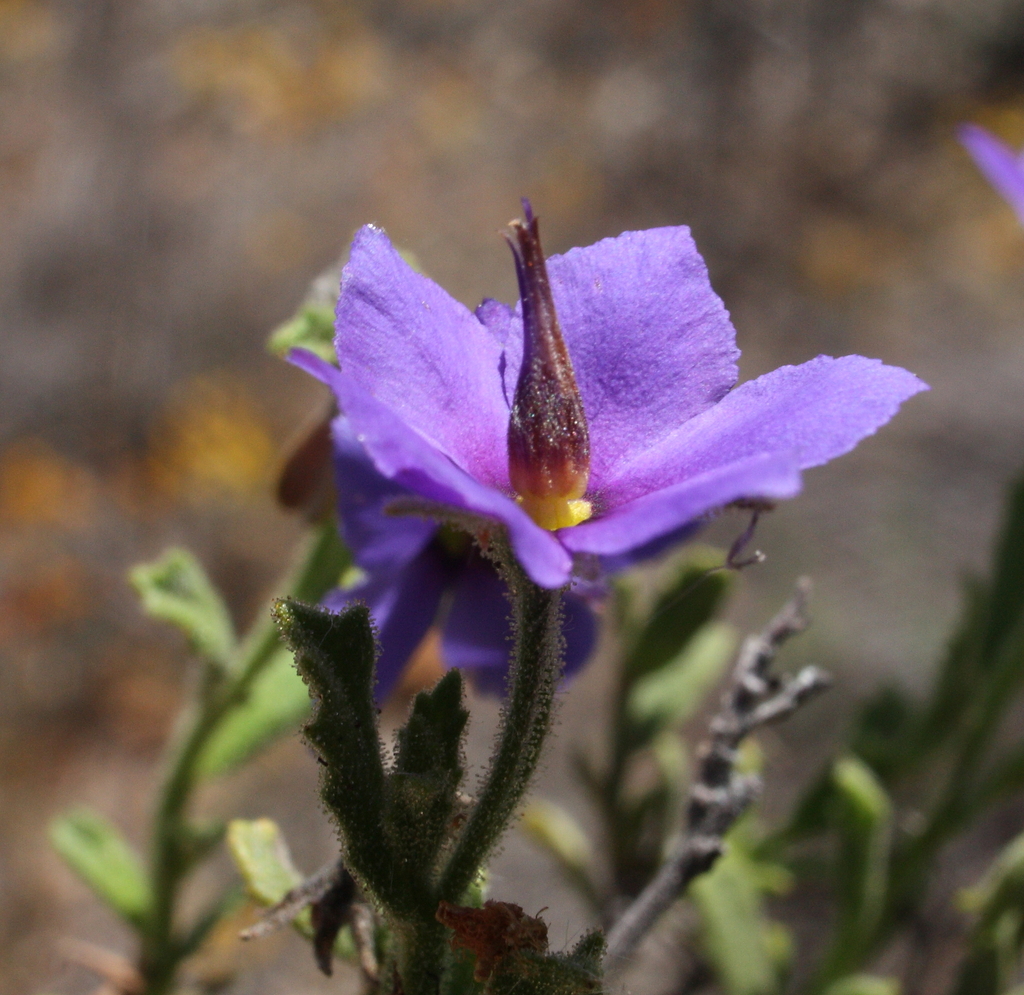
(316, 570)
(525, 723)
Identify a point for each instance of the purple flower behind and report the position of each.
(1002, 167)
(418, 574)
(427, 386)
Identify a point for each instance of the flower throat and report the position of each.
(548, 440)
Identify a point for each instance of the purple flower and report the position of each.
(1002, 167)
(418, 573)
(428, 386)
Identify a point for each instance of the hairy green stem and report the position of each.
(422, 953)
(316, 570)
(525, 723)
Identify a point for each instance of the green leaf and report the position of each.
(420, 793)
(672, 694)
(175, 589)
(261, 855)
(95, 850)
(276, 704)
(1003, 882)
(882, 733)
(863, 984)
(739, 939)
(862, 817)
(199, 839)
(262, 858)
(688, 600)
(1006, 602)
(335, 655)
(557, 832)
(312, 328)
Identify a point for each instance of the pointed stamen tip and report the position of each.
(527, 210)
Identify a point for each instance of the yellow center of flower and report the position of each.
(551, 512)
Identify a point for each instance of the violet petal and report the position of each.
(478, 632)
(378, 541)
(816, 411)
(424, 355)
(768, 475)
(651, 343)
(403, 455)
(1001, 166)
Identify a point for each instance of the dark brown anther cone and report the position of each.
(548, 441)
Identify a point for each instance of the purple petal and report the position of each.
(478, 635)
(403, 607)
(1002, 167)
(424, 355)
(630, 558)
(815, 411)
(378, 541)
(477, 632)
(771, 476)
(650, 341)
(401, 454)
(580, 630)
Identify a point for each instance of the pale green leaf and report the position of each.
(741, 942)
(262, 858)
(673, 693)
(277, 703)
(99, 854)
(175, 589)
(863, 984)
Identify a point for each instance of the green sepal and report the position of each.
(420, 793)
(577, 972)
(97, 852)
(312, 328)
(175, 589)
(335, 654)
(276, 703)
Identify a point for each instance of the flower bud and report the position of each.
(548, 441)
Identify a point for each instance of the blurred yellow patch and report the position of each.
(839, 256)
(38, 486)
(211, 444)
(1005, 120)
(568, 186)
(268, 83)
(28, 30)
(997, 239)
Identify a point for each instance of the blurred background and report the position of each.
(173, 175)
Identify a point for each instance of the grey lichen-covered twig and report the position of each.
(719, 796)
